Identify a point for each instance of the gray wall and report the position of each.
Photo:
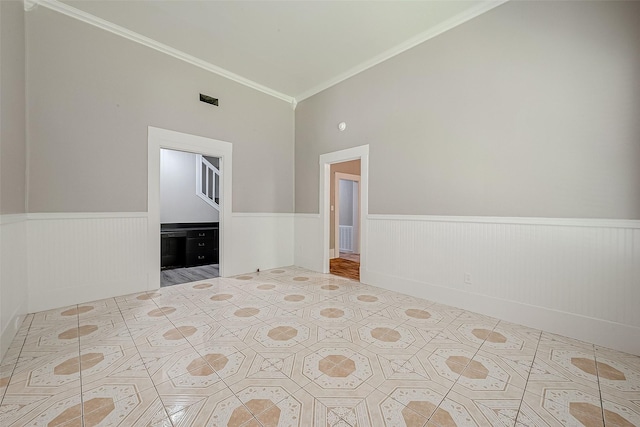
(12, 109)
(178, 199)
(92, 96)
(13, 246)
(531, 109)
(352, 167)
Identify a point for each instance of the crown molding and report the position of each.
(453, 22)
(153, 44)
(30, 4)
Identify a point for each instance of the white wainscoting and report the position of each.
(260, 240)
(575, 277)
(308, 241)
(80, 257)
(13, 277)
(579, 278)
(77, 257)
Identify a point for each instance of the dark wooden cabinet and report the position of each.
(172, 253)
(189, 244)
(202, 247)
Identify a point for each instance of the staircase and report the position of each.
(208, 182)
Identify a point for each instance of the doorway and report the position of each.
(159, 139)
(345, 224)
(327, 214)
(189, 217)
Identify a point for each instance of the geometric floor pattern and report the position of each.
(291, 347)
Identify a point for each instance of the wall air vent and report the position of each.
(209, 99)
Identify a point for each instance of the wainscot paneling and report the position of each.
(13, 277)
(76, 257)
(579, 278)
(308, 241)
(260, 240)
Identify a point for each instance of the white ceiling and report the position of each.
(295, 48)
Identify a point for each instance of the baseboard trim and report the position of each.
(83, 294)
(598, 331)
(308, 263)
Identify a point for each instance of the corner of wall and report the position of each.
(13, 277)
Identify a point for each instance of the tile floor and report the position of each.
(290, 347)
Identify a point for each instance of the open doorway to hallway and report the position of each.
(345, 205)
(159, 139)
(189, 217)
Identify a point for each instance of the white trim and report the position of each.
(450, 23)
(262, 215)
(72, 12)
(12, 218)
(44, 216)
(162, 138)
(307, 215)
(362, 153)
(30, 5)
(261, 241)
(308, 241)
(336, 213)
(85, 17)
(566, 222)
(64, 252)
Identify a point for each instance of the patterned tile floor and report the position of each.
(290, 347)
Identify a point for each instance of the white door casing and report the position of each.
(326, 160)
(162, 138)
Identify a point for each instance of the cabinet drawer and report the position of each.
(200, 244)
(199, 259)
(206, 234)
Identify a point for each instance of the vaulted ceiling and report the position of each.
(294, 48)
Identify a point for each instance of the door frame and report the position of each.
(162, 138)
(336, 213)
(326, 160)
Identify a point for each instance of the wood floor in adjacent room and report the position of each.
(291, 347)
(345, 268)
(348, 265)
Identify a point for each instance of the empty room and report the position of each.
(319, 213)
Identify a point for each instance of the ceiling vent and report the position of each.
(209, 99)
